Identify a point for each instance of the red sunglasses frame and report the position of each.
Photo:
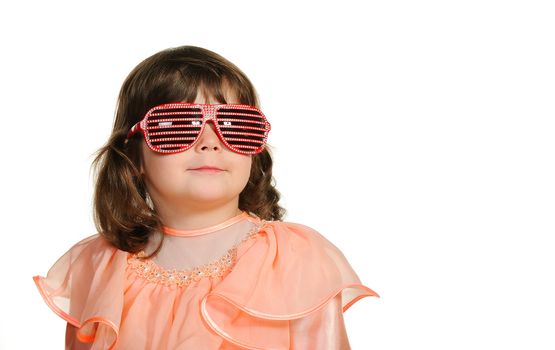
(209, 113)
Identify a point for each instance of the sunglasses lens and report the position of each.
(170, 130)
(244, 129)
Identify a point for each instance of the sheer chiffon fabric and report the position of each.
(287, 288)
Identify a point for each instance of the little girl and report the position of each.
(192, 252)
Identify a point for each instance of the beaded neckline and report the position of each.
(149, 270)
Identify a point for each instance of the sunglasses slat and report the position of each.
(163, 120)
(158, 118)
(246, 127)
(242, 122)
(174, 139)
(173, 125)
(171, 111)
(248, 147)
(172, 132)
(226, 132)
(175, 111)
(243, 110)
(249, 136)
(241, 117)
(173, 146)
(235, 141)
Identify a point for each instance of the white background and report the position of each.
(417, 136)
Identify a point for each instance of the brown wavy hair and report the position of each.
(122, 212)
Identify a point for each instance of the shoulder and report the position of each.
(92, 247)
(303, 238)
(299, 251)
(296, 229)
(95, 240)
(91, 255)
(290, 272)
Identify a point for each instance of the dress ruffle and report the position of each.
(287, 272)
(85, 288)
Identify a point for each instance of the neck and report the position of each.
(198, 219)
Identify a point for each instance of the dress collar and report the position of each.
(205, 230)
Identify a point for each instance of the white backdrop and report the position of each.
(417, 136)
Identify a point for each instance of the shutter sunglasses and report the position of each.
(176, 127)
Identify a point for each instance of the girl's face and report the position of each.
(176, 188)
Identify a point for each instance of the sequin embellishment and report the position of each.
(148, 270)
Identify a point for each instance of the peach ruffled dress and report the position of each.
(281, 285)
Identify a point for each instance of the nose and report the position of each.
(209, 139)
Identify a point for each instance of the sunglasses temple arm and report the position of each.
(135, 129)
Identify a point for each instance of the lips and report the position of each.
(207, 167)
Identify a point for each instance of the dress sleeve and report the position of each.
(324, 329)
(291, 287)
(85, 288)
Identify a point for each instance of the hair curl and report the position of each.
(122, 212)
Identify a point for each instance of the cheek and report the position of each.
(243, 166)
(160, 168)
(155, 171)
